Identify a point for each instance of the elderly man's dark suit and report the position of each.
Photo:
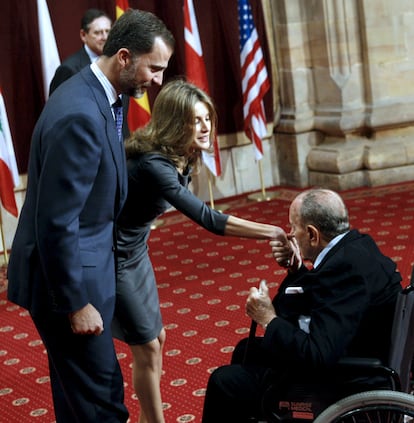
(62, 255)
(350, 299)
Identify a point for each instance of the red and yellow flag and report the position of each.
(139, 112)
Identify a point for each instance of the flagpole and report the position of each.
(262, 196)
(210, 190)
(220, 207)
(3, 239)
(157, 223)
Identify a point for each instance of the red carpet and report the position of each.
(203, 281)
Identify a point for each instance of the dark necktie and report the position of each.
(118, 112)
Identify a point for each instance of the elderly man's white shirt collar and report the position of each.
(325, 251)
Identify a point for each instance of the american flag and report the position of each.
(196, 73)
(255, 81)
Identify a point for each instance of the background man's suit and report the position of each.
(63, 253)
(69, 67)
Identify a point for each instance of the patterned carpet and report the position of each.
(203, 281)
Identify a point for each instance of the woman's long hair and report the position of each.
(171, 129)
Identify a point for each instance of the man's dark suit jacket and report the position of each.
(63, 251)
(74, 64)
(350, 298)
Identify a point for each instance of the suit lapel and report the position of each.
(117, 148)
(84, 59)
(350, 236)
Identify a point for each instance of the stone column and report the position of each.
(346, 90)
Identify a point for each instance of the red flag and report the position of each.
(196, 73)
(255, 81)
(48, 49)
(139, 112)
(121, 6)
(9, 175)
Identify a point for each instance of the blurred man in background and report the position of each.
(95, 27)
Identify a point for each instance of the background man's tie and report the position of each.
(118, 112)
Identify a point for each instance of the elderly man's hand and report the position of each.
(259, 306)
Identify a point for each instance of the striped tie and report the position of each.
(118, 112)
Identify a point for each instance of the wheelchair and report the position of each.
(393, 402)
(380, 406)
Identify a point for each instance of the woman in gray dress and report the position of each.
(160, 160)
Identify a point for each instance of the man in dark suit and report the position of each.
(342, 306)
(95, 27)
(62, 263)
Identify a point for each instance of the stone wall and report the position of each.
(346, 78)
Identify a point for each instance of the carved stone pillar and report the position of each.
(346, 81)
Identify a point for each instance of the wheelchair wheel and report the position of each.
(372, 406)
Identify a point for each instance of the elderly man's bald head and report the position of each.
(324, 209)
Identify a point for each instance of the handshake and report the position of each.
(287, 254)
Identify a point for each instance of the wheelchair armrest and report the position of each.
(360, 362)
(370, 366)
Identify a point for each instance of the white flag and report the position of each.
(48, 48)
(9, 175)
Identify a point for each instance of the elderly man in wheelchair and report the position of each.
(328, 320)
